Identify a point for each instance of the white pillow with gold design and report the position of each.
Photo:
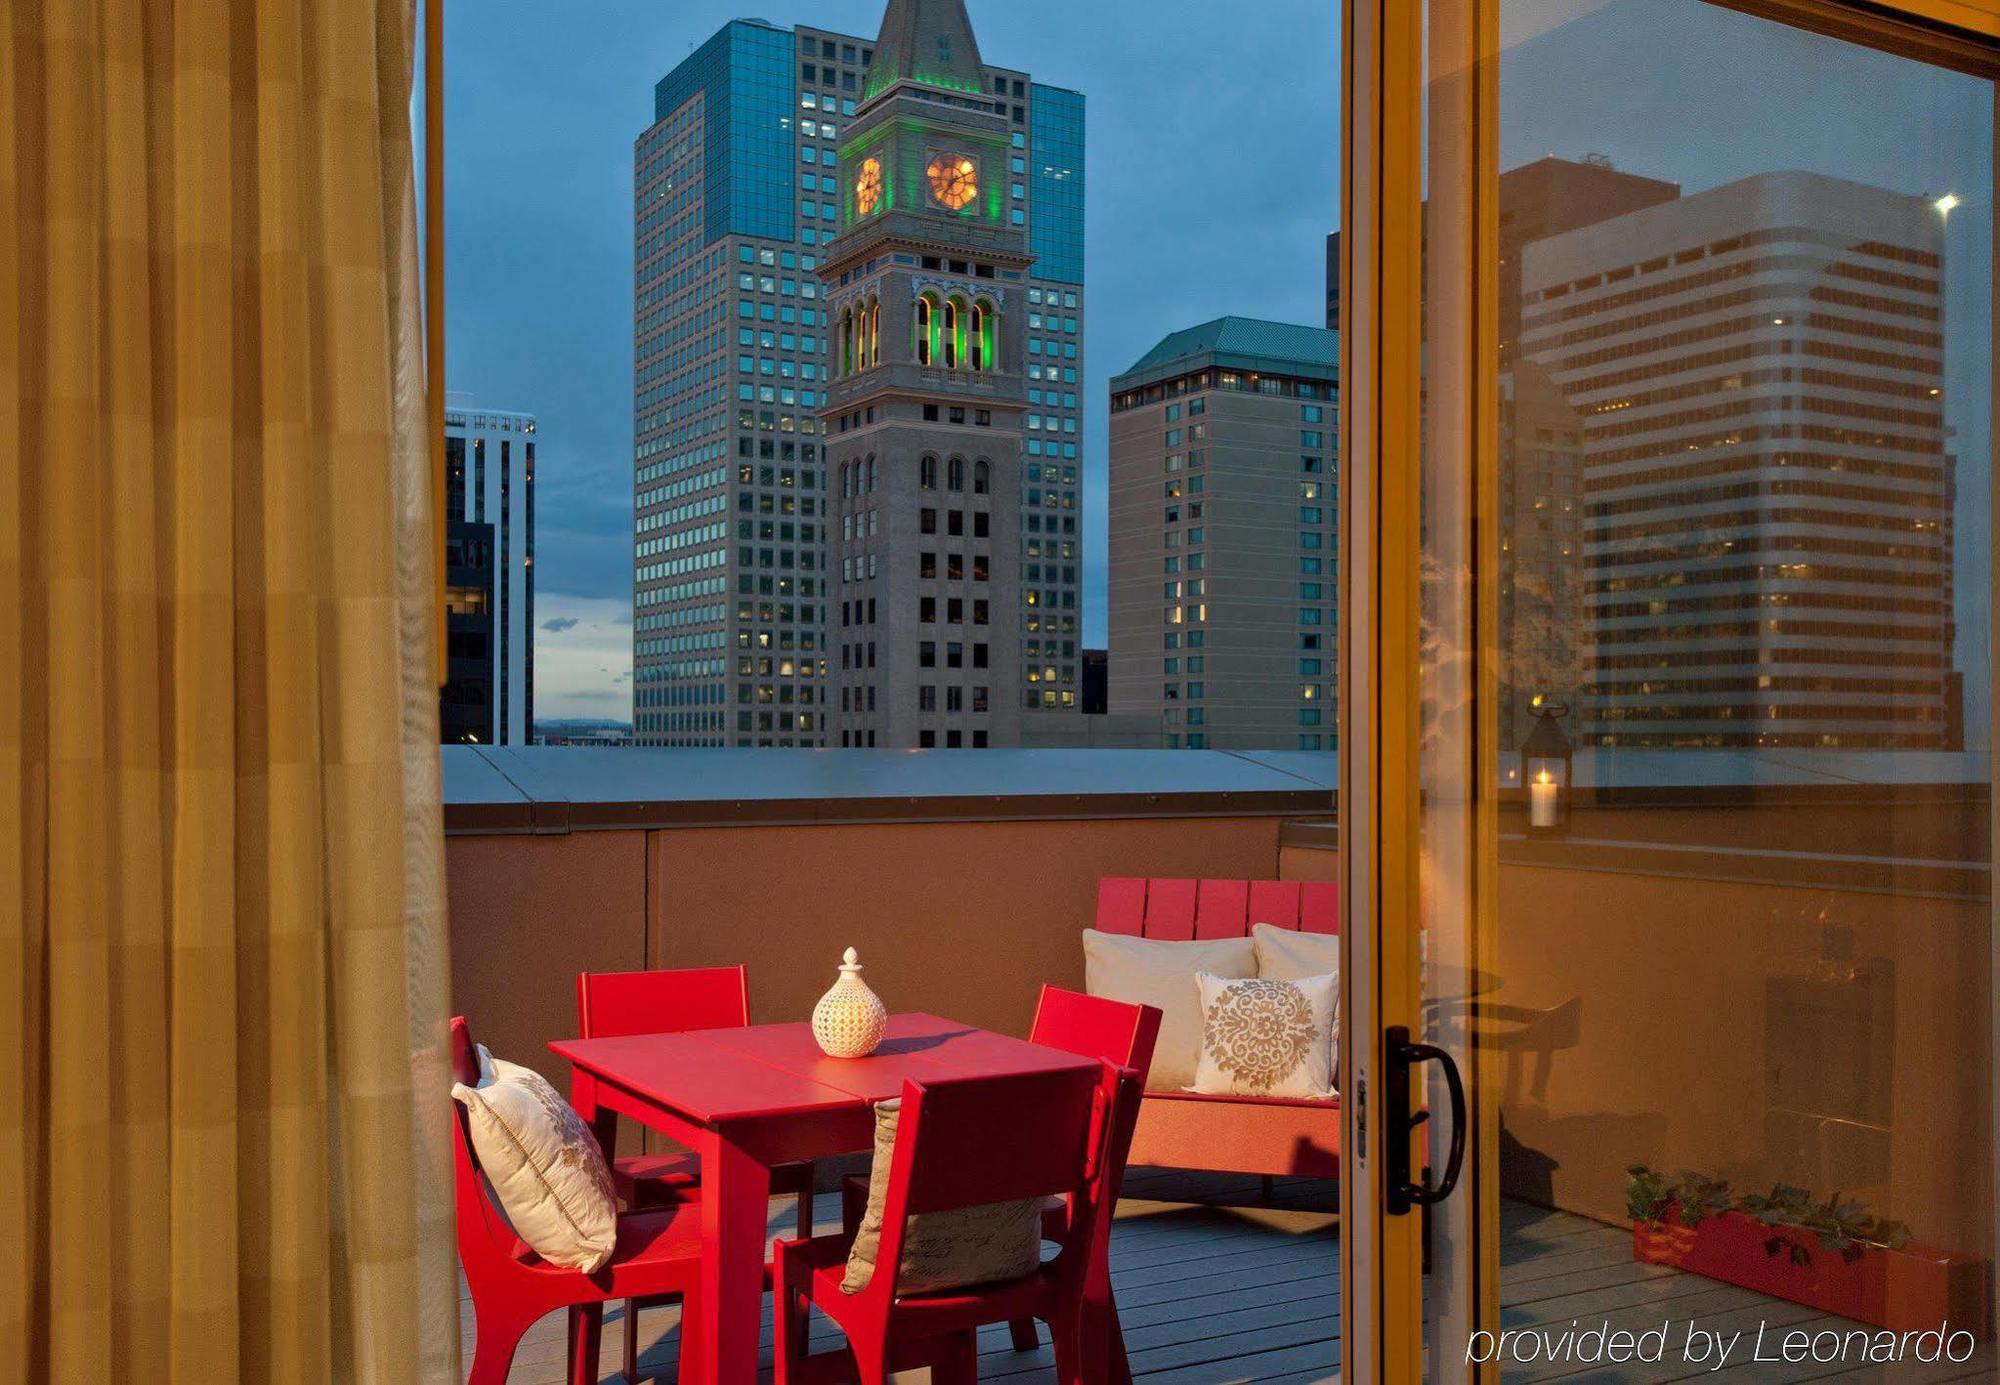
(543, 1163)
(1264, 1037)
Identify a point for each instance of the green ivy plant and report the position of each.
(1696, 1197)
(1846, 1227)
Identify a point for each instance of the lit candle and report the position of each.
(1542, 801)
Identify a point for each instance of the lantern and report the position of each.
(1545, 771)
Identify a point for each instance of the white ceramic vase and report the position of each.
(849, 1019)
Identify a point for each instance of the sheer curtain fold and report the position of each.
(222, 1128)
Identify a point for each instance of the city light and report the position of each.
(1946, 203)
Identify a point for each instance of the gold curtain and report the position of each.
(221, 952)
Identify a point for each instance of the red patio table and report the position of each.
(746, 1099)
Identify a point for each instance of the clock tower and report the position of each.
(926, 284)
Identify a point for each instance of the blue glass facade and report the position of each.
(1055, 232)
(745, 72)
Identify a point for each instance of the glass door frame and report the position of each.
(1405, 64)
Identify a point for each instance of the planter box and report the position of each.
(1913, 1289)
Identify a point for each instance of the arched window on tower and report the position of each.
(927, 473)
(874, 332)
(986, 327)
(847, 340)
(955, 473)
(922, 330)
(982, 477)
(951, 338)
(977, 344)
(871, 477)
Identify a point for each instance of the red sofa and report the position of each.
(1227, 1134)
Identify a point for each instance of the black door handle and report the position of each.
(1398, 1120)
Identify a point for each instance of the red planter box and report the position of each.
(1913, 1289)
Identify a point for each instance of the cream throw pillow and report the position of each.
(1285, 954)
(1266, 1038)
(1146, 971)
(942, 1250)
(543, 1163)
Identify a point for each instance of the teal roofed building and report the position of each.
(1224, 541)
(1244, 343)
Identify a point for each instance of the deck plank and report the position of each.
(1215, 1286)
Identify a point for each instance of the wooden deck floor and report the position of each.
(1216, 1287)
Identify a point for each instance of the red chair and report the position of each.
(657, 1255)
(614, 1004)
(964, 1143)
(1111, 1031)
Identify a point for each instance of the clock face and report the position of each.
(868, 187)
(954, 180)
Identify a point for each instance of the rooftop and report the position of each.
(1247, 343)
(560, 788)
(550, 788)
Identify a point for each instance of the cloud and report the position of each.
(583, 656)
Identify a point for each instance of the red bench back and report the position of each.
(1177, 910)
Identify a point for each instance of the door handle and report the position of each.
(1399, 1122)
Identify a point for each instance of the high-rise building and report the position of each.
(1765, 487)
(1540, 483)
(1224, 481)
(1540, 436)
(1333, 281)
(738, 189)
(489, 692)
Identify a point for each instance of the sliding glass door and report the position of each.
(1667, 769)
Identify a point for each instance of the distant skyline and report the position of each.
(1213, 180)
(1183, 225)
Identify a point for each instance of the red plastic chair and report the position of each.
(614, 1004)
(657, 1255)
(960, 1143)
(1112, 1031)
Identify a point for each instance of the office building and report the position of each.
(1541, 608)
(1540, 437)
(489, 692)
(1223, 576)
(738, 189)
(1333, 281)
(1765, 487)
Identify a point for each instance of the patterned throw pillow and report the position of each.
(1266, 1037)
(543, 1163)
(942, 1250)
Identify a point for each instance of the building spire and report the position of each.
(926, 41)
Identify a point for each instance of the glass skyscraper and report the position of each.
(736, 189)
